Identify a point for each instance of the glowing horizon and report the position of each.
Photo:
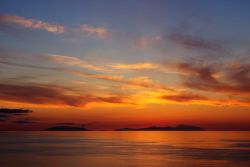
(121, 64)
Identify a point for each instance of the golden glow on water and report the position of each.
(110, 148)
(203, 139)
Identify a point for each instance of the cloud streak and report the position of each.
(51, 95)
(185, 97)
(100, 32)
(225, 79)
(8, 113)
(74, 61)
(140, 81)
(194, 42)
(31, 23)
(14, 21)
(136, 66)
(14, 111)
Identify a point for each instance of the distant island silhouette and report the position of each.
(66, 128)
(180, 127)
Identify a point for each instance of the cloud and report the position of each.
(74, 72)
(146, 41)
(38, 94)
(100, 32)
(51, 95)
(241, 144)
(8, 21)
(136, 66)
(31, 23)
(228, 79)
(74, 61)
(194, 42)
(239, 73)
(23, 122)
(27, 120)
(140, 81)
(192, 98)
(14, 111)
(202, 71)
(3, 116)
(7, 113)
(185, 97)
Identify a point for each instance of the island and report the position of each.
(181, 127)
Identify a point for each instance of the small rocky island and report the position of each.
(180, 127)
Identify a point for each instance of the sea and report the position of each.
(125, 149)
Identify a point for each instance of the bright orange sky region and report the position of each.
(115, 64)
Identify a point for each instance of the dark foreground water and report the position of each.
(124, 149)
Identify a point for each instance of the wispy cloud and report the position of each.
(26, 120)
(51, 95)
(146, 41)
(184, 97)
(13, 21)
(31, 23)
(141, 81)
(200, 78)
(195, 98)
(195, 42)
(9, 113)
(136, 66)
(100, 32)
(14, 111)
(74, 61)
(228, 79)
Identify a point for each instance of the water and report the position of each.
(124, 149)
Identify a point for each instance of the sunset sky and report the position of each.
(125, 63)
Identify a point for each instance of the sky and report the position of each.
(111, 64)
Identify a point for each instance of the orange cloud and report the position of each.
(31, 23)
(13, 20)
(140, 81)
(136, 66)
(100, 32)
(192, 98)
(137, 81)
(51, 95)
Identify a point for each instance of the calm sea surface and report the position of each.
(124, 149)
